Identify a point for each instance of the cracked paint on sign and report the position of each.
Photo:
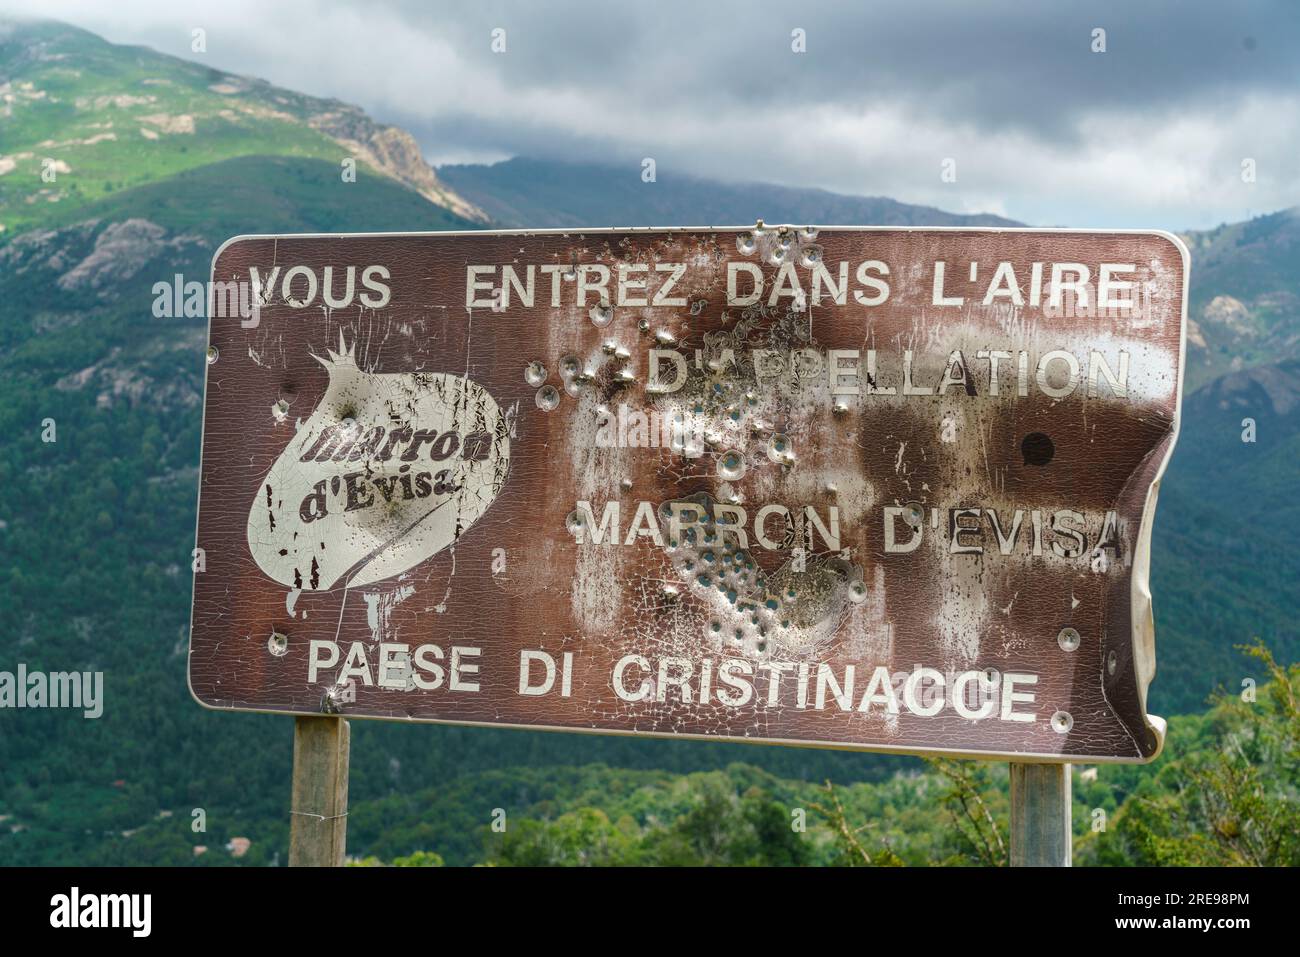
(834, 486)
(389, 469)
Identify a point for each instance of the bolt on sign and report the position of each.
(887, 489)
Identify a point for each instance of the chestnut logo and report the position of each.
(389, 469)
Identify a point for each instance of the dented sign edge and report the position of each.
(1142, 636)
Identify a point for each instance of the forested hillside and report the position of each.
(1223, 793)
(156, 162)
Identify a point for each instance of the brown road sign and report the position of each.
(888, 489)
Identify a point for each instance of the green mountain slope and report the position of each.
(96, 528)
(538, 193)
(1224, 568)
(81, 118)
(1245, 295)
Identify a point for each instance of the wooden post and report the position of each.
(318, 827)
(1040, 815)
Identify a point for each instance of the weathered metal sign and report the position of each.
(887, 489)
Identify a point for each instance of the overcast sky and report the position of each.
(1152, 132)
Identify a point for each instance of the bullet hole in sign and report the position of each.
(1068, 639)
(1037, 449)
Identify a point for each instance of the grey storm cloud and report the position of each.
(1021, 65)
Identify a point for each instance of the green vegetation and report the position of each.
(1243, 295)
(289, 195)
(1224, 793)
(118, 117)
(1227, 792)
(1230, 799)
(84, 120)
(96, 531)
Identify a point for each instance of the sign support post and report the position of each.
(1040, 815)
(319, 812)
(403, 413)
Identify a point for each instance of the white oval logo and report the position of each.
(390, 469)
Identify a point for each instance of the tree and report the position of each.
(851, 852)
(978, 830)
(582, 838)
(1231, 801)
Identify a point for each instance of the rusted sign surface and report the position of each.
(873, 488)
